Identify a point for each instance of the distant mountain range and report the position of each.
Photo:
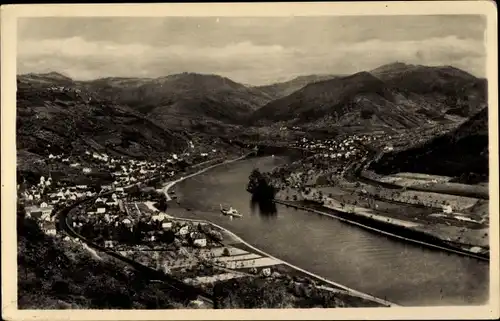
(187, 95)
(391, 96)
(143, 116)
(462, 152)
(282, 89)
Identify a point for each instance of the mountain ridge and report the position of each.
(461, 152)
(395, 95)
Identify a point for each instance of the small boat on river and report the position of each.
(231, 212)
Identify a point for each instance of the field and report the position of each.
(458, 203)
(431, 183)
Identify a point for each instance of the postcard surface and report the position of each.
(250, 161)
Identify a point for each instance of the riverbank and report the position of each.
(237, 239)
(460, 232)
(407, 274)
(390, 227)
(169, 185)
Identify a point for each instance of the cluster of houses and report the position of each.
(330, 157)
(126, 171)
(332, 148)
(138, 216)
(42, 198)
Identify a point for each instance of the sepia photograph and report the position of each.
(332, 160)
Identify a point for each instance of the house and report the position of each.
(166, 225)
(159, 217)
(447, 209)
(43, 204)
(86, 170)
(198, 239)
(47, 210)
(36, 215)
(48, 228)
(183, 230)
(266, 272)
(476, 249)
(46, 217)
(101, 210)
(109, 244)
(99, 200)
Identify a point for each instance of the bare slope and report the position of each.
(282, 89)
(394, 96)
(58, 115)
(459, 153)
(187, 96)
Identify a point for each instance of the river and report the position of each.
(403, 273)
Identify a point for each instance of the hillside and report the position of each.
(461, 153)
(396, 96)
(282, 89)
(181, 98)
(55, 114)
(462, 93)
(58, 274)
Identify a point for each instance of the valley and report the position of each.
(135, 170)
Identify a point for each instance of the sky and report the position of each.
(252, 51)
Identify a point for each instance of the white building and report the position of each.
(201, 242)
(159, 217)
(183, 230)
(166, 225)
(447, 209)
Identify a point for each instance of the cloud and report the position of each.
(243, 61)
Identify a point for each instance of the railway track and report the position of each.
(182, 290)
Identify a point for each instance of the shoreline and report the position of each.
(410, 240)
(169, 185)
(239, 239)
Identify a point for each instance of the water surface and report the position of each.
(401, 272)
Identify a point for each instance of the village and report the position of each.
(42, 200)
(325, 178)
(131, 218)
